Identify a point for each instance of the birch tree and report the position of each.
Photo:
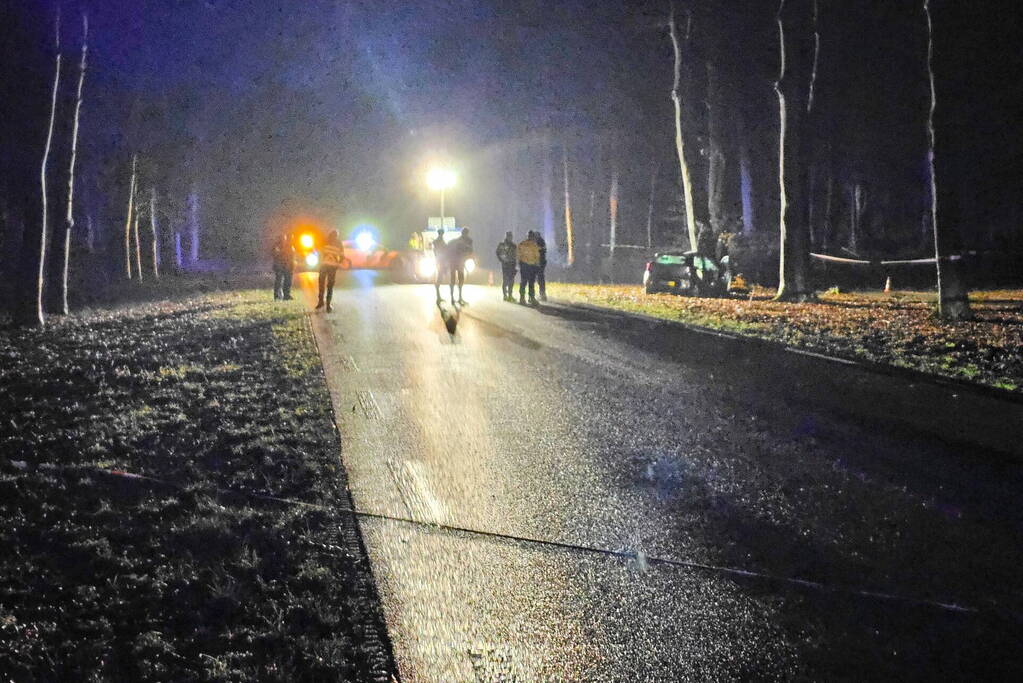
(43, 171)
(953, 301)
(69, 217)
(138, 242)
(676, 99)
(650, 205)
(129, 216)
(193, 226)
(569, 237)
(154, 233)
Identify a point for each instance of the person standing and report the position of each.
(284, 266)
(541, 270)
(332, 255)
(506, 254)
(440, 259)
(528, 253)
(461, 250)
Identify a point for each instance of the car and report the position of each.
(690, 273)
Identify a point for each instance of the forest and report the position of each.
(822, 140)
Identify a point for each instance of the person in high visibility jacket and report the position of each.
(332, 255)
(528, 253)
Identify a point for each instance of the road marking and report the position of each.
(821, 356)
(370, 407)
(415, 493)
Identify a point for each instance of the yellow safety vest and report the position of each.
(529, 252)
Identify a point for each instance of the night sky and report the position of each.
(270, 109)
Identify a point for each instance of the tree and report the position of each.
(26, 47)
(569, 238)
(129, 216)
(60, 296)
(154, 233)
(953, 301)
(794, 152)
(138, 242)
(38, 318)
(676, 99)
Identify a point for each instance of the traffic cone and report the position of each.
(888, 285)
(490, 278)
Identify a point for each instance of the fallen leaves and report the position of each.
(898, 329)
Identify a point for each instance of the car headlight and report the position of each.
(427, 266)
(312, 259)
(364, 241)
(470, 265)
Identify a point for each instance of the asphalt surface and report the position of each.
(557, 494)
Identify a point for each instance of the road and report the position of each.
(556, 494)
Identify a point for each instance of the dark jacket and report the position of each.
(540, 242)
(506, 253)
(460, 250)
(283, 256)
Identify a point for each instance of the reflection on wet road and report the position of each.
(496, 465)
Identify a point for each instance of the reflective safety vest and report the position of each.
(529, 252)
(332, 255)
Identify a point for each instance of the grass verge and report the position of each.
(111, 577)
(898, 329)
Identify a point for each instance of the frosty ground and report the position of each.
(194, 572)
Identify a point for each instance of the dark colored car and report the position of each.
(690, 274)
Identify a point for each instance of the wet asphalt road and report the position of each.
(551, 495)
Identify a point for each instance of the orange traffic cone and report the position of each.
(888, 285)
(490, 279)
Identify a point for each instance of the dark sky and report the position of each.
(339, 107)
(272, 108)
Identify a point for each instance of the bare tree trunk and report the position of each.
(650, 206)
(138, 242)
(154, 233)
(127, 220)
(547, 200)
(793, 159)
(569, 237)
(613, 207)
(193, 226)
(69, 218)
(717, 159)
(41, 276)
(856, 204)
(826, 219)
(746, 192)
(676, 98)
(90, 234)
(178, 256)
(591, 230)
(953, 299)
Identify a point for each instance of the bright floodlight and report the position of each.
(440, 178)
(312, 259)
(470, 265)
(306, 241)
(427, 266)
(364, 240)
